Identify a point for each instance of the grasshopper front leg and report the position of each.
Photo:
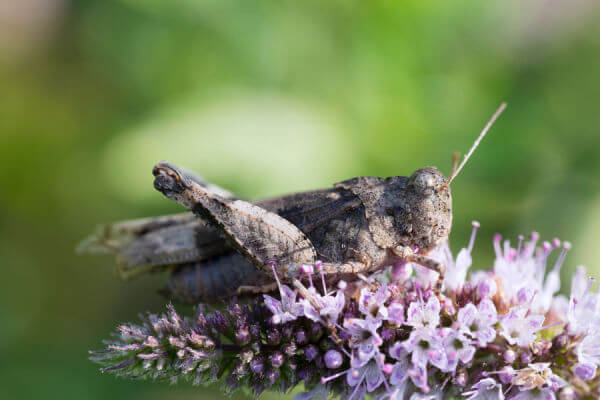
(407, 254)
(259, 235)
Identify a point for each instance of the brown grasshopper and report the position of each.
(228, 246)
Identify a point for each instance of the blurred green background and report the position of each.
(268, 97)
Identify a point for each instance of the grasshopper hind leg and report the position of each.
(214, 279)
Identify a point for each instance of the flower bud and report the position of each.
(561, 341)
(242, 336)
(301, 337)
(273, 375)
(273, 337)
(401, 272)
(487, 288)
(525, 295)
(567, 393)
(289, 349)
(315, 331)
(276, 359)
(396, 313)
(240, 369)
(506, 374)
(333, 359)
(526, 357)
(585, 372)
(288, 332)
(304, 374)
(510, 356)
(257, 365)
(246, 355)
(310, 352)
(461, 378)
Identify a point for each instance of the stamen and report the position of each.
(445, 382)
(561, 258)
(550, 326)
(497, 240)
(341, 348)
(272, 264)
(589, 286)
(476, 226)
(308, 270)
(547, 247)
(521, 237)
(507, 249)
(541, 254)
(319, 266)
(324, 379)
(530, 246)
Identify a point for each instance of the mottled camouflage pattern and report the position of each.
(356, 226)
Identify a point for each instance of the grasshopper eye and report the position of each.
(423, 182)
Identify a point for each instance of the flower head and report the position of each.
(390, 336)
(478, 322)
(519, 327)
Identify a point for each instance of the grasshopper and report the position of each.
(227, 246)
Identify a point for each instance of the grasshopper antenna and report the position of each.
(456, 170)
(455, 157)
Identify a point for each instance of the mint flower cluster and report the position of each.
(499, 334)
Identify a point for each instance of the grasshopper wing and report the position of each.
(147, 244)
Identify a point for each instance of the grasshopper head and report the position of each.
(428, 192)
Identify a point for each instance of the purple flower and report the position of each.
(486, 286)
(399, 376)
(456, 272)
(584, 305)
(363, 337)
(457, 348)
(371, 374)
(372, 304)
(286, 309)
(402, 340)
(588, 354)
(585, 372)
(519, 328)
(419, 378)
(396, 313)
(478, 322)
(426, 277)
(401, 272)
(424, 315)
(485, 389)
(425, 346)
(526, 267)
(330, 306)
